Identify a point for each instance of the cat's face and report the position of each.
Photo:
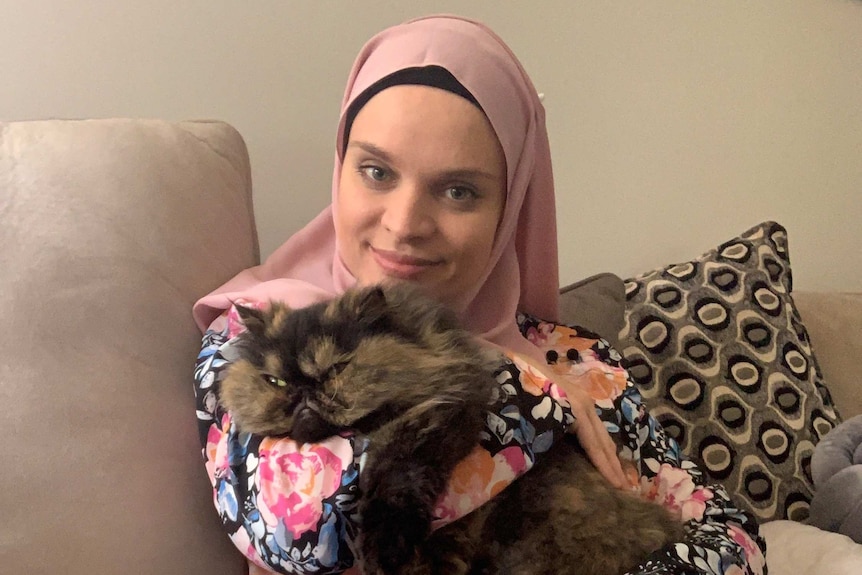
(311, 372)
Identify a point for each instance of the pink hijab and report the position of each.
(522, 274)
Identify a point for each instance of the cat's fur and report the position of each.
(391, 364)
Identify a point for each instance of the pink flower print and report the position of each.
(295, 479)
(216, 450)
(753, 556)
(510, 463)
(543, 335)
(243, 542)
(674, 489)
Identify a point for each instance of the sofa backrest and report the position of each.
(109, 231)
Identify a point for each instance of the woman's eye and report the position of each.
(375, 173)
(460, 193)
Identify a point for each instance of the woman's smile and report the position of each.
(401, 266)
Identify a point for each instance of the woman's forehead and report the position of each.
(429, 127)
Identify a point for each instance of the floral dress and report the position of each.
(292, 508)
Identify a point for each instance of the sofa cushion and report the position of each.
(109, 231)
(725, 363)
(596, 303)
(797, 549)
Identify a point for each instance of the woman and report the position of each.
(443, 178)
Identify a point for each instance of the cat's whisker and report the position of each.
(335, 389)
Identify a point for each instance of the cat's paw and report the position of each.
(391, 537)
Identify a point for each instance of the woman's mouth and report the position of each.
(400, 265)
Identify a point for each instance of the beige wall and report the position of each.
(674, 124)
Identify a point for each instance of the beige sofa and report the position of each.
(109, 231)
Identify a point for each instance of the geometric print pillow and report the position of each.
(723, 361)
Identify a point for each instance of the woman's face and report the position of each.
(422, 190)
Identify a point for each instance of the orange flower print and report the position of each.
(477, 479)
(532, 381)
(567, 338)
(467, 488)
(603, 386)
(557, 342)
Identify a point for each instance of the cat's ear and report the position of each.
(252, 319)
(372, 304)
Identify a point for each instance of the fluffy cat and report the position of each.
(393, 365)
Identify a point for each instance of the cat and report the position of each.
(392, 364)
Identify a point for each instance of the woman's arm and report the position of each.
(721, 538)
(289, 508)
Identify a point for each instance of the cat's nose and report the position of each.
(309, 426)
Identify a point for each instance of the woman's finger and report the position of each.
(600, 449)
(594, 437)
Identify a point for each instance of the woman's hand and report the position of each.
(594, 437)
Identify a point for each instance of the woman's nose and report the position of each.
(407, 213)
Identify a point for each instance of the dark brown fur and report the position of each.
(391, 364)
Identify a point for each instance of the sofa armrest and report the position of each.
(109, 231)
(834, 323)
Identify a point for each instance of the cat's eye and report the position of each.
(272, 380)
(337, 368)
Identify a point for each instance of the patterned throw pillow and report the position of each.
(724, 362)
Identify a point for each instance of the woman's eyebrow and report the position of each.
(371, 149)
(456, 173)
(466, 174)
